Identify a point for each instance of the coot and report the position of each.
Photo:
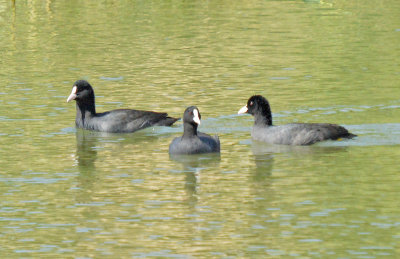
(192, 141)
(289, 134)
(115, 121)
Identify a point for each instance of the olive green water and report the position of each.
(76, 194)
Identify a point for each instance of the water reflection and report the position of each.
(124, 196)
(264, 155)
(86, 155)
(193, 165)
(264, 164)
(89, 143)
(262, 149)
(13, 26)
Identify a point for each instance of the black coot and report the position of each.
(115, 121)
(193, 142)
(289, 134)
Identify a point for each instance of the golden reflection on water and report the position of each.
(76, 193)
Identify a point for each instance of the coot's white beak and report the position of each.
(196, 117)
(243, 110)
(72, 96)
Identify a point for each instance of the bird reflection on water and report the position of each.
(193, 165)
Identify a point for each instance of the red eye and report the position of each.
(251, 103)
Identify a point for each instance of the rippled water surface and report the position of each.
(68, 193)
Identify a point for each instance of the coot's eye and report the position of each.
(190, 113)
(251, 103)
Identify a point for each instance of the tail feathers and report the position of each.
(167, 121)
(350, 135)
(343, 133)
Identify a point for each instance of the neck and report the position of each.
(263, 117)
(261, 120)
(84, 111)
(189, 130)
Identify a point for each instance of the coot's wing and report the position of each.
(150, 118)
(218, 147)
(310, 133)
(334, 131)
(211, 141)
(127, 120)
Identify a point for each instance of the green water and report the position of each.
(78, 194)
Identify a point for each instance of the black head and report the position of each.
(259, 107)
(192, 116)
(81, 91)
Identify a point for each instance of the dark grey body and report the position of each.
(202, 143)
(299, 133)
(121, 121)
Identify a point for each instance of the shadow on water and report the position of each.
(192, 167)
